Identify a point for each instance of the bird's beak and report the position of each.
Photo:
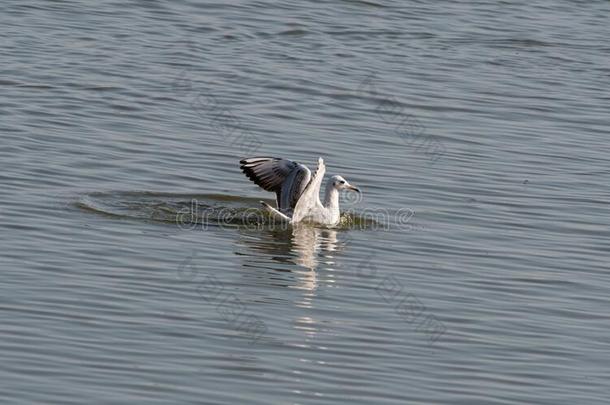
(356, 189)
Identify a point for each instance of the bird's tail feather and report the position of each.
(275, 212)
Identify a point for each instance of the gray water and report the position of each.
(488, 121)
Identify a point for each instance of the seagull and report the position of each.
(297, 191)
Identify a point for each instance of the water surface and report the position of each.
(486, 120)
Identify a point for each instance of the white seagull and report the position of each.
(297, 191)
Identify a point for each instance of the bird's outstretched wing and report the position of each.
(310, 198)
(287, 179)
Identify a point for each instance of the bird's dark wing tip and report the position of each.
(267, 172)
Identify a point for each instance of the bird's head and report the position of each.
(340, 183)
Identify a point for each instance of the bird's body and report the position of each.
(297, 191)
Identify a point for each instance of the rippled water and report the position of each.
(488, 121)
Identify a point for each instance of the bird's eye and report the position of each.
(342, 182)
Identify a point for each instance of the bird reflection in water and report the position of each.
(305, 246)
(302, 258)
